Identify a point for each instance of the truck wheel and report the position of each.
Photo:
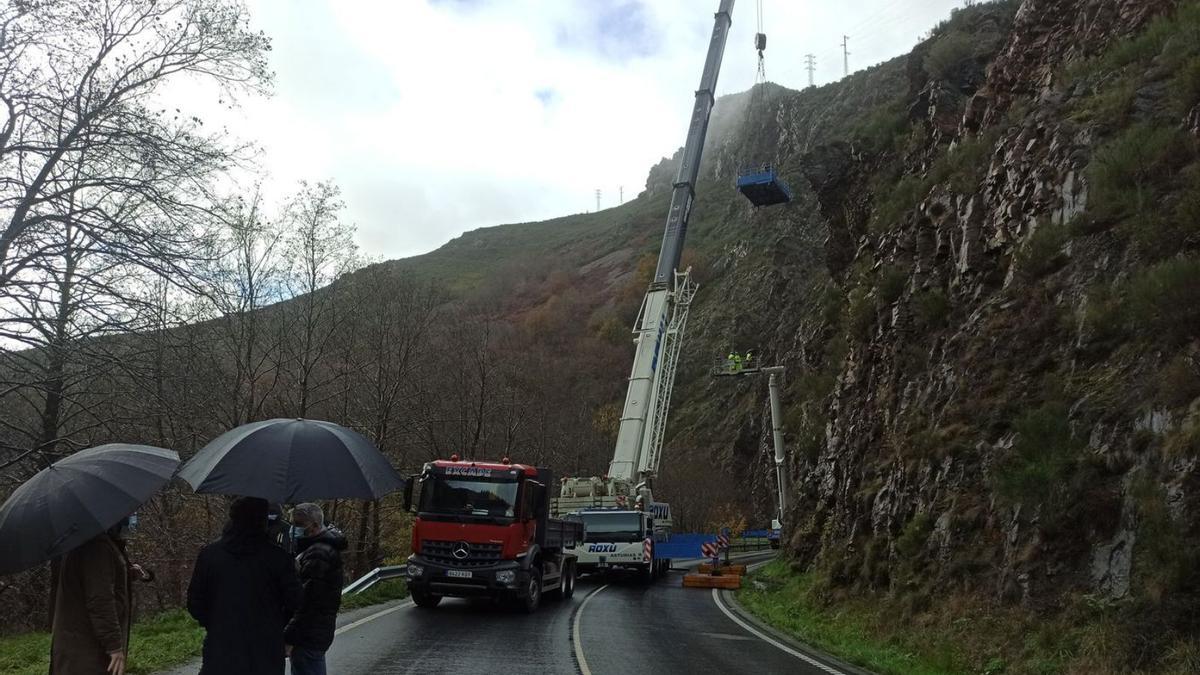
(646, 573)
(566, 586)
(425, 599)
(533, 592)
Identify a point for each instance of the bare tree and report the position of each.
(321, 249)
(79, 79)
(248, 276)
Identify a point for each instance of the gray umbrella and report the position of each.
(292, 460)
(77, 498)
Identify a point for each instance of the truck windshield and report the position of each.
(466, 496)
(612, 527)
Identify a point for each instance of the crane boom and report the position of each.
(663, 315)
(684, 189)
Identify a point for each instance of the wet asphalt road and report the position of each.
(623, 628)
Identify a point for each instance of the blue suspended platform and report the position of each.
(763, 187)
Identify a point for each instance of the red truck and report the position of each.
(484, 529)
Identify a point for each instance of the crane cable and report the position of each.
(761, 44)
(760, 80)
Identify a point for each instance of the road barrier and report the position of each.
(686, 546)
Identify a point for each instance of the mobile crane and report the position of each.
(658, 332)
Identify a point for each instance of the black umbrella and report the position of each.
(77, 498)
(292, 460)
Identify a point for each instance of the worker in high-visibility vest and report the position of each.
(750, 359)
(737, 363)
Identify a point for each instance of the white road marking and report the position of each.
(377, 615)
(575, 633)
(768, 639)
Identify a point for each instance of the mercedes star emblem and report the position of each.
(461, 550)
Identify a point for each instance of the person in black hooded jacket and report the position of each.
(319, 561)
(243, 591)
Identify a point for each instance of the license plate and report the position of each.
(461, 574)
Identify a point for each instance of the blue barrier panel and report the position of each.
(682, 546)
(755, 534)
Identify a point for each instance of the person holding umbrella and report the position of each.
(243, 592)
(92, 607)
(288, 461)
(80, 508)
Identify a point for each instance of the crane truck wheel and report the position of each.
(646, 574)
(533, 592)
(425, 599)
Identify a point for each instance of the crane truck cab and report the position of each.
(484, 529)
(619, 540)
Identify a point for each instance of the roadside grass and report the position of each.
(156, 643)
(847, 630)
(159, 642)
(910, 633)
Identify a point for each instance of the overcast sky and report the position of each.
(441, 116)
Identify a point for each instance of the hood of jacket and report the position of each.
(330, 536)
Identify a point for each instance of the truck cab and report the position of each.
(619, 540)
(483, 530)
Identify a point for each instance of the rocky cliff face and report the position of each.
(995, 361)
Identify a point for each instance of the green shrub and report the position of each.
(860, 314)
(1043, 460)
(894, 202)
(1162, 300)
(1042, 252)
(891, 285)
(910, 545)
(1165, 558)
(1111, 105)
(1127, 172)
(1178, 382)
(1173, 36)
(963, 167)
(1103, 316)
(885, 127)
(931, 307)
(948, 53)
(1185, 87)
(832, 300)
(1184, 441)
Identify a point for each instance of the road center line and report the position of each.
(768, 639)
(377, 615)
(575, 632)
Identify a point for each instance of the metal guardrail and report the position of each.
(373, 577)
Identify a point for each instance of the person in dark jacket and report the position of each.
(279, 530)
(243, 591)
(319, 561)
(92, 608)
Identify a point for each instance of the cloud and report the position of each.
(440, 116)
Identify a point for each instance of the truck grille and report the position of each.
(442, 552)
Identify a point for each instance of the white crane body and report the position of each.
(658, 333)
